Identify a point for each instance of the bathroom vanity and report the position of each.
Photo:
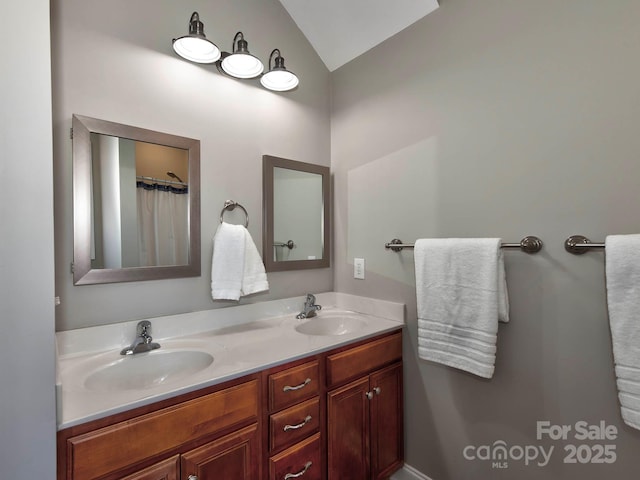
(313, 406)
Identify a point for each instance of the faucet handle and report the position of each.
(143, 328)
(311, 299)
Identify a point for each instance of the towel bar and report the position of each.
(579, 244)
(289, 244)
(230, 205)
(529, 244)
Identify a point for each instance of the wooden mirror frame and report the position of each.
(268, 164)
(83, 274)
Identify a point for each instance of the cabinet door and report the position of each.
(235, 456)
(348, 432)
(386, 421)
(165, 470)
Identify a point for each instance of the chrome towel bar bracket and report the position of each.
(529, 244)
(231, 205)
(579, 244)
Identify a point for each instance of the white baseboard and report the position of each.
(409, 473)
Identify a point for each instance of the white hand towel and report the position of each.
(236, 266)
(461, 294)
(623, 299)
(254, 278)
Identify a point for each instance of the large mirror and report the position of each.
(136, 203)
(295, 214)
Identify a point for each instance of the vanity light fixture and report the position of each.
(278, 78)
(241, 64)
(195, 46)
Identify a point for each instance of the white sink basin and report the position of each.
(331, 324)
(144, 370)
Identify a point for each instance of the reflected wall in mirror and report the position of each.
(295, 215)
(136, 203)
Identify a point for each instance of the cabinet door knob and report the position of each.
(300, 473)
(192, 477)
(369, 395)
(377, 390)
(306, 420)
(287, 388)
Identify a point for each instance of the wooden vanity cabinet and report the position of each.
(365, 415)
(217, 431)
(335, 415)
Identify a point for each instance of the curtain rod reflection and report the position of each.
(151, 179)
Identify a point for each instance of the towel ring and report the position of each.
(231, 205)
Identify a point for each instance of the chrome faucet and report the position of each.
(310, 307)
(143, 341)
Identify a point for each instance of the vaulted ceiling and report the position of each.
(341, 30)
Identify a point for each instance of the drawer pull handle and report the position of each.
(287, 388)
(300, 425)
(300, 473)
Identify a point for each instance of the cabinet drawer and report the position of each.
(300, 461)
(293, 385)
(361, 360)
(294, 423)
(111, 448)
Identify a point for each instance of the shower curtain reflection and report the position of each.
(163, 224)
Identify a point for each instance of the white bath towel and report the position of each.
(236, 266)
(623, 299)
(461, 294)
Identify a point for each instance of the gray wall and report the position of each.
(498, 119)
(113, 60)
(27, 395)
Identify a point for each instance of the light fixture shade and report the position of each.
(195, 47)
(279, 78)
(241, 64)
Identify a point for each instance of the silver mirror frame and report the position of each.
(268, 164)
(83, 274)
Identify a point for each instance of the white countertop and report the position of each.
(242, 339)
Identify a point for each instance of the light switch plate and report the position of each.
(358, 268)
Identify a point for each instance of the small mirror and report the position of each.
(136, 203)
(296, 232)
